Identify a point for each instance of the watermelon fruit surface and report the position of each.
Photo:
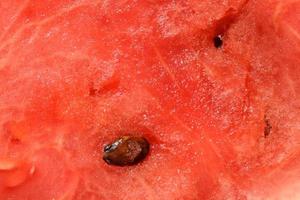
(212, 84)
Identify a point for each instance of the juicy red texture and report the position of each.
(74, 75)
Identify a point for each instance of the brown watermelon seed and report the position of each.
(218, 41)
(126, 151)
(268, 127)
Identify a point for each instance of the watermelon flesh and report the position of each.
(223, 123)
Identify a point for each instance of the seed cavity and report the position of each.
(126, 151)
(218, 41)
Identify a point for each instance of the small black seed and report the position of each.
(126, 150)
(268, 127)
(218, 41)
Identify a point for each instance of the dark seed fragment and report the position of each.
(268, 127)
(218, 41)
(126, 150)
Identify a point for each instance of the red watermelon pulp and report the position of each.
(212, 84)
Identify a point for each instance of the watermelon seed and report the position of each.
(126, 151)
(268, 127)
(218, 41)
